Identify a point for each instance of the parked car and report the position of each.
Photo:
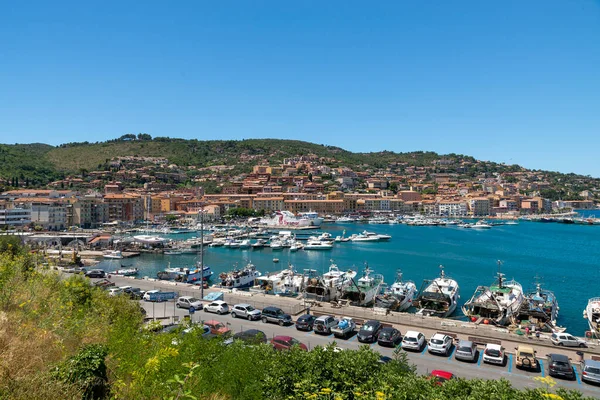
(95, 273)
(438, 376)
(115, 291)
(251, 336)
(276, 315)
(133, 292)
(566, 339)
(286, 343)
(217, 307)
(466, 350)
(217, 327)
(369, 331)
(345, 327)
(413, 340)
(493, 354)
(560, 366)
(440, 344)
(590, 371)
(103, 283)
(305, 322)
(245, 311)
(525, 357)
(189, 301)
(324, 323)
(389, 337)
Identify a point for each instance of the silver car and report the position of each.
(590, 371)
(189, 301)
(466, 350)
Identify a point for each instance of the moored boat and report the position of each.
(399, 296)
(330, 285)
(113, 254)
(186, 275)
(592, 314)
(239, 279)
(125, 272)
(437, 297)
(498, 304)
(363, 292)
(540, 306)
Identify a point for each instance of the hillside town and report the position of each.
(134, 189)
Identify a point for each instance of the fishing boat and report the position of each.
(592, 314)
(399, 296)
(186, 275)
(239, 279)
(113, 254)
(363, 292)
(330, 285)
(437, 297)
(540, 307)
(498, 304)
(125, 272)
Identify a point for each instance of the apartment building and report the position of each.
(124, 207)
(451, 208)
(15, 216)
(480, 206)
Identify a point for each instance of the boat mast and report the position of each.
(500, 275)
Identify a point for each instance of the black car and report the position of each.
(95, 273)
(369, 331)
(251, 336)
(305, 322)
(560, 366)
(134, 293)
(276, 315)
(389, 337)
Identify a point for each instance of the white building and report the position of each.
(452, 209)
(15, 217)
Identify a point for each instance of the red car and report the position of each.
(286, 343)
(217, 328)
(438, 377)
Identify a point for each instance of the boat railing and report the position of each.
(593, 299)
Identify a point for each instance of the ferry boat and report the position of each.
(592, 314)
(239, 279)
(437, 297)
(330, 285)
(498, 304)
(399, 296)
(312, 217)
(113, 254)
(363, 292)
(185, 274)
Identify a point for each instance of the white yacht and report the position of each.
(481, 224)
(437, 297)
(113, 254)
(314, 243)
(312, 217)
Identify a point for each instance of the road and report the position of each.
(424, 361)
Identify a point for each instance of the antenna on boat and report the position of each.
(442, 275)
(500, 274)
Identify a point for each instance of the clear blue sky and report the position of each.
(508, 81)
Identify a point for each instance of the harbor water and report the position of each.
(564, 258)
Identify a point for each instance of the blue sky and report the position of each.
(508, 81)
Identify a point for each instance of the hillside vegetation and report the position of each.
(63, 338)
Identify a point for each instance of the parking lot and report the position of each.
(424, 361)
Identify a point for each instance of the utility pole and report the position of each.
(202, 251)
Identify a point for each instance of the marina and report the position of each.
(559, 254)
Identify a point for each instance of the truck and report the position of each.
(324, 324)
(344, 328)
(525, 357)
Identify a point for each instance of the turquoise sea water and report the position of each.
(566, 258)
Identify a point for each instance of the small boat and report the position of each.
(276, 244)
(259, 244)
(125, 272)
(399, 296)
(481, 224)
(296, 245)
(244, 244)
(239, 279)
(437, 297)
(592, 314)
(113, 254)
(185, 274)
(173, 252)
(344, 220)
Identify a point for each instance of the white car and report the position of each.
(440, 344)
(217, 306)
(189, 301)
(115, 291)
(493, 354)
(413, 340)
(149, 293)
(566, 339)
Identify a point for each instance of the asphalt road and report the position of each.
(424, 361)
